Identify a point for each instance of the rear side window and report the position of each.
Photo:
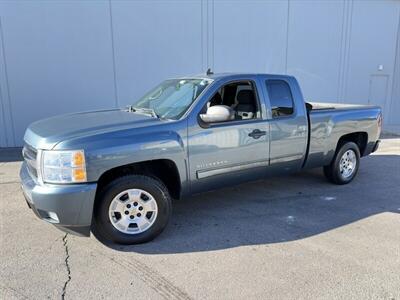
(281, 98)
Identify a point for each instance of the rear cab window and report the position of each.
(281, 99)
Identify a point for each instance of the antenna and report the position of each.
(209, 72)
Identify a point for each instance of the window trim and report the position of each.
(294, 113)
(233, 122)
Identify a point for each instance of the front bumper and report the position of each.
(69, 207)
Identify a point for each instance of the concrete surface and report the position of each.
(294, 237)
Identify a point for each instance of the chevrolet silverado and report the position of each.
(114, 172)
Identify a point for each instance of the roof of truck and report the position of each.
(221, 75)
(215, 76)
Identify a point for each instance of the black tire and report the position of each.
(105, 230)
(332, 171)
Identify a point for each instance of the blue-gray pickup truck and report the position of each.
(114, 172)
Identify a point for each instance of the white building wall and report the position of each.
(65, 56)
(394, 107)
(315, 47)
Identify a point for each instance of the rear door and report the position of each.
(288, 123)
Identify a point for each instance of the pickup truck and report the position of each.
(114, 172)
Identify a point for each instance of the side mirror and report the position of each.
(218, 113)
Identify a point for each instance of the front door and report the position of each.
(233, 151)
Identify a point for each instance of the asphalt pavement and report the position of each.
(291, 237)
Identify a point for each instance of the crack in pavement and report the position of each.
(64, 290)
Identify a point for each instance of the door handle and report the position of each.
(257, 133)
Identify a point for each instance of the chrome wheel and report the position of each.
(133, 211)
(348, 163)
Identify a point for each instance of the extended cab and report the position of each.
(115, 171)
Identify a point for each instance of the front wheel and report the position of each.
(344, 165)
(132, 209)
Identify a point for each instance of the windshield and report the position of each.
(171, 98)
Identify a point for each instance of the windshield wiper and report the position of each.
(148, 111)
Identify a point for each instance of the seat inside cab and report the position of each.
(240, 97)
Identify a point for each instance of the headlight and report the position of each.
(63, 166)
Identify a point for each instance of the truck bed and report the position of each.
(329, 121)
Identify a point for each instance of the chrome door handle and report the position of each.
(257, 133)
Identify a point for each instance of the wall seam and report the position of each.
(7, 92)
(201, 34)
(341, 58)
(212, 28)
(344, 50)
(207, 36)
(287, 37)
(3, 118)
(395, 72)
(3, 121)
(348, 38)
(113, 54)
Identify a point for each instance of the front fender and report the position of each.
(110, 150)
(142, 148)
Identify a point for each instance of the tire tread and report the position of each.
(99, 225)
(332, 172)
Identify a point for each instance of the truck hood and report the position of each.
(47, 133)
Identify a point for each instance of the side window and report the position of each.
(281, 98)
(240, 97)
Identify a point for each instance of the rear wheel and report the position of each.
(132, 209)
(345, 164)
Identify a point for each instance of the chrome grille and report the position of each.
(29, 154)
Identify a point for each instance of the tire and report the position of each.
(127, 205)
(342, 175)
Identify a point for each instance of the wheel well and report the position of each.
(163, 169)
(360, 138)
